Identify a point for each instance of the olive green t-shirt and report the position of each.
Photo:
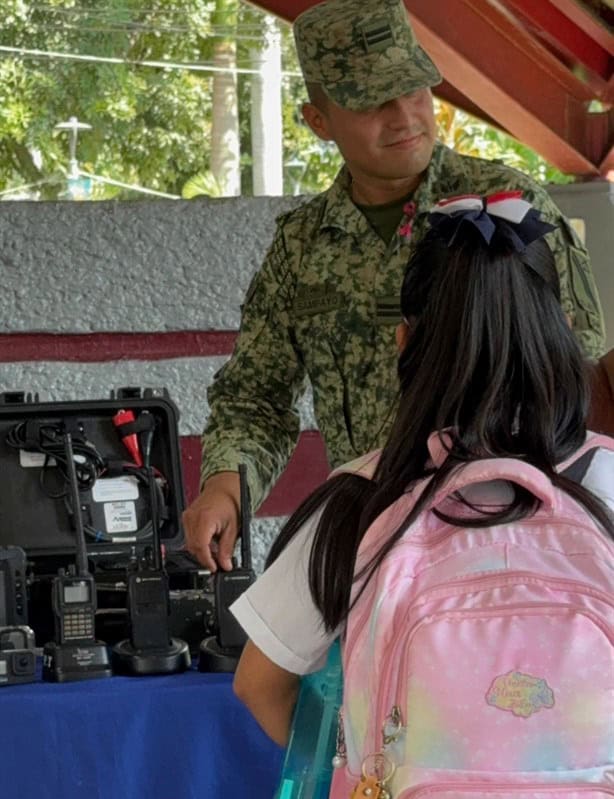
(385, 219)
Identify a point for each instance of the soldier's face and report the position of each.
(391, 142)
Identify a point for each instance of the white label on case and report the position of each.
(33, 460)
(115, 489)
(120, 517)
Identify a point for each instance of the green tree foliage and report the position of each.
(470, 136)
(151, 125)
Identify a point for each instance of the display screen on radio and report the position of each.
(75, 594)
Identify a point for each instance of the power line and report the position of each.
(142, 28)
(133, 186)
(115, 11)
(23, 53)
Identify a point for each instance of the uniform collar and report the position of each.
(432, 176)
(340, 212)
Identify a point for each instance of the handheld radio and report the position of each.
(74, 654)
(221, 653)
(150, 648)
(230, 585)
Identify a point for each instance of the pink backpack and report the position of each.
(480, 662)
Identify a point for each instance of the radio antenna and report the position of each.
(81, 554)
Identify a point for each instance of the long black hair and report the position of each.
(490, 357)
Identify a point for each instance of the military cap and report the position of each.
(362, 53)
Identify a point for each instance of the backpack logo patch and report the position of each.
(520, 694)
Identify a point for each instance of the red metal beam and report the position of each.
(285, 9)
(555, 27)
(502, 70)
(606, 168)
(578, 14)
(498, 65)
(451, 94)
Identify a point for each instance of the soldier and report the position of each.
(325, 303)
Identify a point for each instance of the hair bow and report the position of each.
(505, 211)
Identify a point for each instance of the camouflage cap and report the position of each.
(362, 53)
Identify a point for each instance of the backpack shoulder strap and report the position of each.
(593, 441)
(509, 469)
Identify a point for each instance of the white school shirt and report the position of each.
(278, 614)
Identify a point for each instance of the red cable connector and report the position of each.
(130, 440)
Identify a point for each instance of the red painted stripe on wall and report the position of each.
(308, 467)
(99, 347)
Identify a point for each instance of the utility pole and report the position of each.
(78, 186)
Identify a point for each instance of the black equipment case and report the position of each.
(33, 517)
(35, 512)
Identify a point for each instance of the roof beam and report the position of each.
(578, 14)
(451, 94)
(517, 82)
(284, 9)
(556, 28)
(606, 168)
(490, 63)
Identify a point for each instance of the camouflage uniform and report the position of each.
(325, 305)
(326, 301)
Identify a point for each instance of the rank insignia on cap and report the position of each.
(377, 35)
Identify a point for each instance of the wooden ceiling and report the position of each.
(543, 70)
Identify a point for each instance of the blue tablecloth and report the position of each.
(179, 737)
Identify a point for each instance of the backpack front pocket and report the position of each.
(464, 790)
(516, 688)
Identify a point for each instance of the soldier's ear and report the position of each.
(317, 121)
(402, 334)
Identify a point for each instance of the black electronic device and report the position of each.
(221, 652)
(13, 596)
(114, 491)
(148, 603)
(193, 612)
(74, 606)
(37, 514)
(150, 649)
(75, 654)
(17, 655)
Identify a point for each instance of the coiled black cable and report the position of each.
(47, 439)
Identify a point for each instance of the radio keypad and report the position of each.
(78, 624)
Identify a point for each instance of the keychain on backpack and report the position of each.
(377, 771)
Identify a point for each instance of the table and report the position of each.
(184, 736)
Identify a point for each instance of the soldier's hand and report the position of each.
(211, 523)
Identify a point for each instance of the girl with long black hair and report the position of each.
(487, 355)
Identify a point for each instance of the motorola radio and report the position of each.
(150, 648)
(221, 652)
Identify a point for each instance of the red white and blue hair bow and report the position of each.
(505, 212)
